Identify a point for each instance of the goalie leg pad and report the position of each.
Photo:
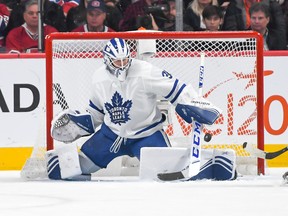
(69, 161)
(53, 168)
(221, 167)
(200, 109)
(63, 163)
(156, 160)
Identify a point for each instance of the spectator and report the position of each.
(193, 14)
(232, 16)
(123, 4)
(212, 18)
(4, 17)
(113, 14)
(276, 21)
(169, 23)
(284, 6)
(186, 3)
(95, 17)
(170, 16)
(54, 16)
(25, 37)
(76, 16)
(260, 17)
(10, 4)
(16, 18)
(66, 4)
(136, 14)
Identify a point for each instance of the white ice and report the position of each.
(115, 196)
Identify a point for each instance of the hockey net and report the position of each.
(233, 81)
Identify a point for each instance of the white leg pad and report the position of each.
(69, 161)
(156, 160)
(227, 159)
(217, 165)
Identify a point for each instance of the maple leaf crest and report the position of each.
(118, 111)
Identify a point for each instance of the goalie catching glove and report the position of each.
(199, 109)
(69, 126)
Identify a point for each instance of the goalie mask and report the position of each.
(117, 57)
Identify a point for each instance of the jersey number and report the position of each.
(166, 74)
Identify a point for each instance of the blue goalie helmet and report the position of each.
(117, 57)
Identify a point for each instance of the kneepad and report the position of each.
(63, 163)
(87, 165)
(217, 165)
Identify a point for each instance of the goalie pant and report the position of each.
(222, 165)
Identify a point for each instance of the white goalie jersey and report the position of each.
(128, 107)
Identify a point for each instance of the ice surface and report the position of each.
(113, 196)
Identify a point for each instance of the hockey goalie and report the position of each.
(123, 108)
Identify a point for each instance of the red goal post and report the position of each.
(233, 78)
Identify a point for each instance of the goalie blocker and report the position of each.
(199, 109)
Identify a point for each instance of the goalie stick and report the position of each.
(193, 167)
(262, 154)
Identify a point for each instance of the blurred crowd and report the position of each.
(19, 19)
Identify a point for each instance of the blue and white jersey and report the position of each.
(129, 108)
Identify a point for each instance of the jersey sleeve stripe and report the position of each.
(178, 93)
(95, 107)
(173, 89)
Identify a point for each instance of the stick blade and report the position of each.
(171, 176)
(190, 171)
(272, 155)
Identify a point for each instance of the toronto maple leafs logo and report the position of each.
(118, 111)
